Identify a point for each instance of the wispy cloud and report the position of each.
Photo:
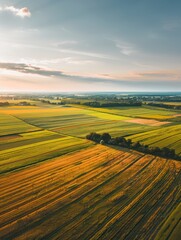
(172, 75)
(27, 68)
(20, 12)
(60, 80)
(88, 54)
(65, 43)
(31, 69)
(101, 78)
(125, 48)
(165, 75)
(27, 30)
(65, 60)
(67, 46)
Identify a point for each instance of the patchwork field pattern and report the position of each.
(97, 193)
(55, 184)
(77, 122)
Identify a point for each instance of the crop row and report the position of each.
(97, 193)
(163, 137)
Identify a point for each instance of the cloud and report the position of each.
(30, 69)
(60, 81)
(160, 75)
(20, 12)
(66, 47)
(27, 68)
(67, 60)
(65, 43)
(125, 48)
(146, 76)
(129, 79)
(88, 54)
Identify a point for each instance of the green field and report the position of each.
(12, 125)
(141, 112)
(163, 137)
(55, 184)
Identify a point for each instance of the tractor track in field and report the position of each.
(92, 189)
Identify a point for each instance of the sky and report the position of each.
(90, 45)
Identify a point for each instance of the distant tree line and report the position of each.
(52, 103)
(106, 138)
(4, 104)
(164, 105)
(113, 104)
(96, 104)
(23, 103)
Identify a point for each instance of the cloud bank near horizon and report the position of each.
(32, 69)
(60, 80)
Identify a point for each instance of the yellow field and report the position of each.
(97, 193)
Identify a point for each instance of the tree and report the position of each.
(136, 145)
(129, 142)
(106, 137)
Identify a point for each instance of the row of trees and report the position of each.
(96, 104)
(4, 104)
(52, 103)
(24, 103)
(106, 138)
(113, 104)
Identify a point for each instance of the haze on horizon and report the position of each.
(90, 45)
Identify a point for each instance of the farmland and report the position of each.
(147, 125)
(90, 120)
(141, 112)
(163, 137)
(11, 125)
(97, 193)
(75, 121)
(55, 184)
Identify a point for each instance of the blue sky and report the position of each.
(90, 45)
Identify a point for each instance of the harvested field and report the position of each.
(98, 193)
